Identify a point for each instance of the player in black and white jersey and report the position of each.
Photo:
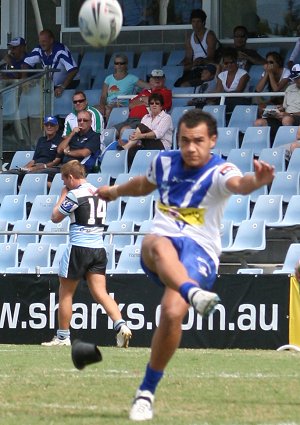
(85, 257)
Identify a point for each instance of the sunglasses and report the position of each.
(270, 61)
(49, 124)
(228, 63)
(120, 63)
(83, 120)
(79, 101)
(154, 103)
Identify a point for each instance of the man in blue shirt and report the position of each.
(51, 53)
(14, 58)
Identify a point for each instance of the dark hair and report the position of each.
(156, 96)
(230, 52)
(277, 57)
(47, 32)
(79, 92)
(198, 14)
(193, 117)
(240, 28)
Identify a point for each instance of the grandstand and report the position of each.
(164, 49)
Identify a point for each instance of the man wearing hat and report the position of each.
(289, 112)
(138, 106)
(45, 158)
(15, 57)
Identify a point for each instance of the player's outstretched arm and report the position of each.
(138, 186)
(264, 174)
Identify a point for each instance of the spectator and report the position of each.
(200, 48)
(81, 104)
(51, 53)
(275, 78)
(139, 104)
(207, 85)
(289, 112)
(246, 56)
(154, 131)
(232, 79)
(45, 158)
(83, 143)
(118, 83)
(14, 58)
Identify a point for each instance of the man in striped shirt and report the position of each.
(81, 104)
(51, 53)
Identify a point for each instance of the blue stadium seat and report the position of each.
(183, 100)
(263, 190)
(242, 158)
(144, 228)
(118, 239)
(8, 185)
(285, 183)
(93, 60)
(285, 134)
(142, 161)
(237, 209)
(117, 115)
(3, 228)
(218, 112)
(25, 226)
(111, 257)
(294, 162)
(151, 58)
(42, 208)
(256, 138)
(243, 116)
(98, 179)
(63, 104)
(56, 238)
(275, 157)
(114, 162)
(54, 267)
(13, 208)
(177, 112)
(129, 260)
(114, 210)
(35, 255)
(8, 256)
(226, 232)
(291, 260)
(176, 57)
(228, 138)
(138, 209)
(268, 208)
(20, 159)
(108, 136)
(56, 185)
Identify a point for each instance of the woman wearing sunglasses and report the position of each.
(116, 84)
(154, 131)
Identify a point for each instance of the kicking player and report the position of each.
(85, 257)
(181, 252)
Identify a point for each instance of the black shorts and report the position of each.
(78, 260)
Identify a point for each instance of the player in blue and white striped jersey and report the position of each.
(181, 252)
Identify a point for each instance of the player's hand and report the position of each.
(107, 193)
(264, 173)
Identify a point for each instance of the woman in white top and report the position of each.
(154, 132)
(232, 79)
(275, 77)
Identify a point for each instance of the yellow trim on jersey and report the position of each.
(192, 216)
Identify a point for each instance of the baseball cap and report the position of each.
(51, 120)
(211, 68)
(18, 41)
(295, 72)
(157, 73)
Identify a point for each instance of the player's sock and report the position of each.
(118, 324)
(151, 379)
(63, 333)
(184, 290)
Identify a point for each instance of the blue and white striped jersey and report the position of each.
(191, 201)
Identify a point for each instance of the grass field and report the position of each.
(39, 385)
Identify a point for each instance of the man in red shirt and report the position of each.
(139, 104)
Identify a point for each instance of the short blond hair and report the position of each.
(74, 168)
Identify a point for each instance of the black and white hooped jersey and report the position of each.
(87, 213)
(191, 201)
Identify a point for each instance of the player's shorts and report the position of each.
(78, 260)
(199, 265)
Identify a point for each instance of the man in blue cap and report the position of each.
(15, 57)
(45, 158)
